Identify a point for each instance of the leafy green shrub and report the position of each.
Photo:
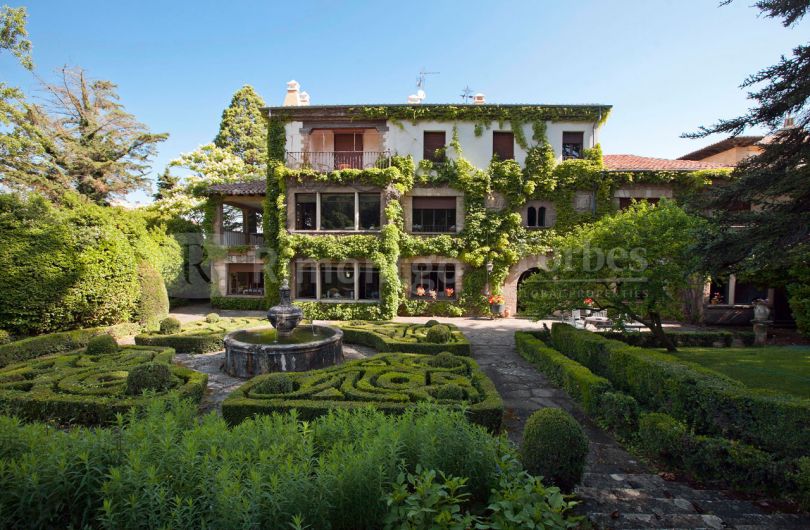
(88, 389)
(273, 384)
(102, 345)
(431, 323)
(170, 326)
(707, 401)
(438, 334)
(445, 359)
(212, 318)
(340, 471)
(5, 337)
(149, 376)
(402, 337)
(199, 336)
(802, 478)
(393, 382)
(619, 413)
(662, 437)
(153, 302)
(704, 339)
(239, 304)
(451, 392)
(554, 447)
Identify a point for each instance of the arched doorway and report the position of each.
(525, 275)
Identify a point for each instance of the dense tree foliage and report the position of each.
(771, 241)
(243, 130)
(13, 35)
(633, 263)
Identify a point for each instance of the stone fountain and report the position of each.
(284, 347)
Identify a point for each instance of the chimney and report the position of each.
(479, 99)
(303, 99)
(292, 99)
(413, 99)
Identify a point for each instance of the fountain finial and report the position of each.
(284, 316)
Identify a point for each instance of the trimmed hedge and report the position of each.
(390, 382)
(239, 304)
(554, 447)
(706, 400)
(87, 389)
(153, 303)
(402, 337)
(199, 336)
(64, 341)
(703, 339)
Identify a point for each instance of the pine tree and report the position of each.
(166, 183)
(243, 130)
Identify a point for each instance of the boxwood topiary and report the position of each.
(103, 344)
(148, 376)
(431, 323)
(450, 391)
(619, 412)
(555, 447)
(170, 326)
(153, 302)
(274, 384)
(212, 318)
(438, 334)
(445, 359)
(5, 336)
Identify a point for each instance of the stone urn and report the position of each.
(284, 316)
(761, 322)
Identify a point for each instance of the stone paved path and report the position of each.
(617, 491)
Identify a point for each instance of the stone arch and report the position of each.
(517, 274)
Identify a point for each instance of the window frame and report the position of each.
(581, 144)
(452, 227)
(257, 273)
(431, 155)
(441, 269)
(502, 134)
(354, 265)
(318, 210)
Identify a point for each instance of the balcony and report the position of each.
(237, 239)
(325, 161)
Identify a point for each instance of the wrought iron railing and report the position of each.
(235, 239)
(325, 161)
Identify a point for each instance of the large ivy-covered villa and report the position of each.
(373, 211)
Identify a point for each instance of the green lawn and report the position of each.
(782, 368)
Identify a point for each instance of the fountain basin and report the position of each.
(260, 350)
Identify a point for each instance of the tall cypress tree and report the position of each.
(243, 130)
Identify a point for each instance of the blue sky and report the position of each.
(667, 66)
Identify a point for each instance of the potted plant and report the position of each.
(496, 304)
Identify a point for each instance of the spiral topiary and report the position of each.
(101, 345)
(554, 447)
(438, 334)
(274, 384)
(170, 326)
(149, 376)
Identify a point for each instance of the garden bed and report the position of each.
(88, 389)
(389, 382)
(199, 336)
(402, 337)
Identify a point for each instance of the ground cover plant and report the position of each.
(391, 382)
(405, 337)
(200, 336)
(358, 469)
(90, 389)
(779, 368)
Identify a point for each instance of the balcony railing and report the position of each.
(236, 239)
(325, 161)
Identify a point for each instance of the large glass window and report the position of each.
(306, 277)
(337, 281)
(337, 211)
(245, 279)
(435, 281)
(368, 283)
(305, 211)
(434, 214)
(369, 211)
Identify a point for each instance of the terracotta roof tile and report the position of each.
(646, 163)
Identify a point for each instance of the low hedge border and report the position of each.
(389, 382)
(401, 337)
(709, 402)
(198, 336)
(239, 304)
(704, 339)
(63, 341)
(76, 388)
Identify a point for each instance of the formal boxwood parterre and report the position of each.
(403, 337)
(199, 336)
(707, 401)
(88, 389)
(391, 382)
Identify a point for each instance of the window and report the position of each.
(434, 214)
(345, 282)
(305, 211)
(503, 145)
(746, 293)
(572, 145)
(337, 211)
(434, 142)
(246, 279)
(625, 202)
(538, 216)
(369, 211)
(306, 281)
(436, 281)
